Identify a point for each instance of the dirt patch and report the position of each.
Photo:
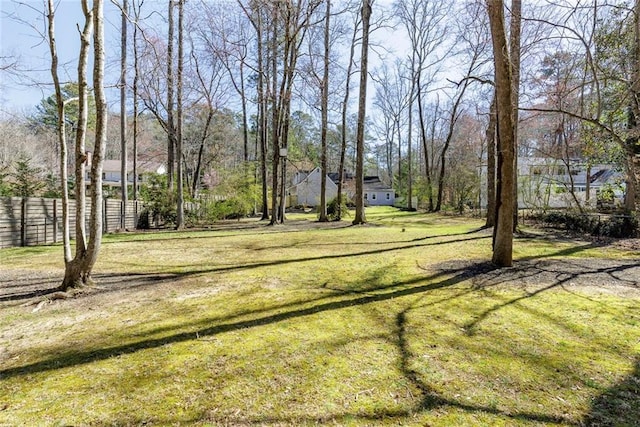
(607, 276)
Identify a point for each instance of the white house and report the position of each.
(111, 171)
(547, 182)
(376, 193)
(306, 188)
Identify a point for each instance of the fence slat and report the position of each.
(33, 221)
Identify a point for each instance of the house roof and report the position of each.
(309, 175)
(334, 176)
(374, 183)
(143, 166)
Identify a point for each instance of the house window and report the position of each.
(373, 196)
(104, 175)
(366, 196)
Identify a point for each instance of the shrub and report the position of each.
(620, 226)
(613, 226)
(334, 212)
(159, 201)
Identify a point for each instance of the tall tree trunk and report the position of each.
(171, 129)
(491, 163)
(123, 115)
(325, 116)
(262, 119)
(179, 112)
(514, 51)
(410, 143)
(245, 119)
(61, 131)
(503, 231)
(95, 223)
(78, 271)
(275, 143)
(447, 143)
(633, 142)
(81, 132)
(423, 135)
(134, 89)
(362, 104)
(343, 133)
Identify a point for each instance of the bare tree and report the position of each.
(123, 113)
(425, 23)
(170, 122)
(633, 141)
(343, 112)
(473, 42)
(515, 30)
(360, 217)
(180, 118)
(503, 230)
(256, 16)
(78, 269)
(61, 129)
(490, 136)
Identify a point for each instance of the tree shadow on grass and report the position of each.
(619, 405)
(49, 285)
(432, 400)
(543, 276)
(397, 290)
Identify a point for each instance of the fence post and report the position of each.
(23, 222)
(105, 220)
(135, 214)
(55, 220)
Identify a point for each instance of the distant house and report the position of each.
(305, 188)
(547, 182)
(376, 193)
(111, 172)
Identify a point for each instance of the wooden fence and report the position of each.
(36, 221)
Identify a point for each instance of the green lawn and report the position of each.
(398, 322)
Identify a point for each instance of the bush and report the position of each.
(613, 226)
(334, 212)
(620, 226)
(159, 201)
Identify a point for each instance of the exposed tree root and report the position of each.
(48, 298)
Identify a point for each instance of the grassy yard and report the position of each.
(398, 322)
